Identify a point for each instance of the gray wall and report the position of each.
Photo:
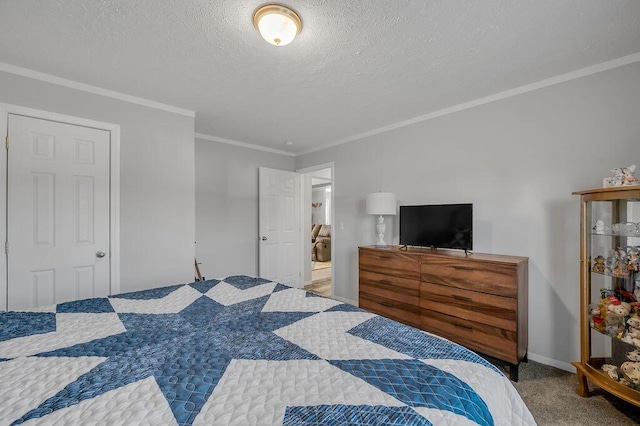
(517, 160)
(319, 215)
(227, 206)
(157, 205)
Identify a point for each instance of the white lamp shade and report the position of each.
(381, 203)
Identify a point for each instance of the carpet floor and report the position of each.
(550, 394)
(320, 280)
(321, 265)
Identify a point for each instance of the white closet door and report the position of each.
(57, 212)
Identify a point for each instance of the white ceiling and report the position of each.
(355, 67)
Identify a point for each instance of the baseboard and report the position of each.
(344, 300)
(551, 362)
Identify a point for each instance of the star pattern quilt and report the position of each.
(240, 350)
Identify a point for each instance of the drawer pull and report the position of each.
(464, 268)
(463, 298)
(387, 304)
(466, 327)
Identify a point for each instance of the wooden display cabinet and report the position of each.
(609, 252)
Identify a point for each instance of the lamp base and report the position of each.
(381, 227)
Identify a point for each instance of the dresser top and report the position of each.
(457, 254)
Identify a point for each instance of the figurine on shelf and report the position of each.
(607, 294)
(633, 322)
(633, 259)
(617, 262)
(599, 264)
(634, 355)
(599, 227)
(611, 370)
(621, 309)
(631, 371)
(632, 332)
(622, 176)
(625, 296)
(597, 314)
(629, 174)
(614, 326)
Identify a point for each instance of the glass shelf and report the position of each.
(616, 336)
(627, 276)
(594, 234)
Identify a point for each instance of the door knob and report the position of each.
(100, 254)
(264, 238)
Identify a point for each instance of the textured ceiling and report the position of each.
(356, 66)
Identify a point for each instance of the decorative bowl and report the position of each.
(627, 229)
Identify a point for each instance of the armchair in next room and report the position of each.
(320, 243)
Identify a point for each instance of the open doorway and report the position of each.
(318, 261)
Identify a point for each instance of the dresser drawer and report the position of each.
(389, 262)
(401, 312)
(497, 311)
(390, 287)
(485, 277)
(492, 341)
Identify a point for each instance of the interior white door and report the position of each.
(279, 226)
(57, 212)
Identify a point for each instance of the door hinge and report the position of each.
(6, 247)
(6, 142)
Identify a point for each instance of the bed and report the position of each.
(240, 350)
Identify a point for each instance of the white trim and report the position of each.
(594, 69)
(4, 290)
(243, 144)
(345, 300)
(307, 232)
(24, 72)
(114, 201)
(552, 362)
(114, 195)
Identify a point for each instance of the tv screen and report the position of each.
(437, 226)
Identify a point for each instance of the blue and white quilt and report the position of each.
(240, 350)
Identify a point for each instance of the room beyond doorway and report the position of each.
(317, 219)
(320, 279)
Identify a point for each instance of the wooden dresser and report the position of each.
(477, 300)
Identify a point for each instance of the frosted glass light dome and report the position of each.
(277, 24)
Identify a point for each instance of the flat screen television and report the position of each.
(437, 226)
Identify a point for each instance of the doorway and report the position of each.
(318, 228)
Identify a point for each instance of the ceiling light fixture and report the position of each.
(277, 24)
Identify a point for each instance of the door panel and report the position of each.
(279, 226)
(57, 212)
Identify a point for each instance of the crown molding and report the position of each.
(48, 78)
(243, 144)
(583, 72)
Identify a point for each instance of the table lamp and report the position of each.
(381, 203)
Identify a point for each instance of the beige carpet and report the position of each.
(321, 265)
(551, 396)
(320, 281)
